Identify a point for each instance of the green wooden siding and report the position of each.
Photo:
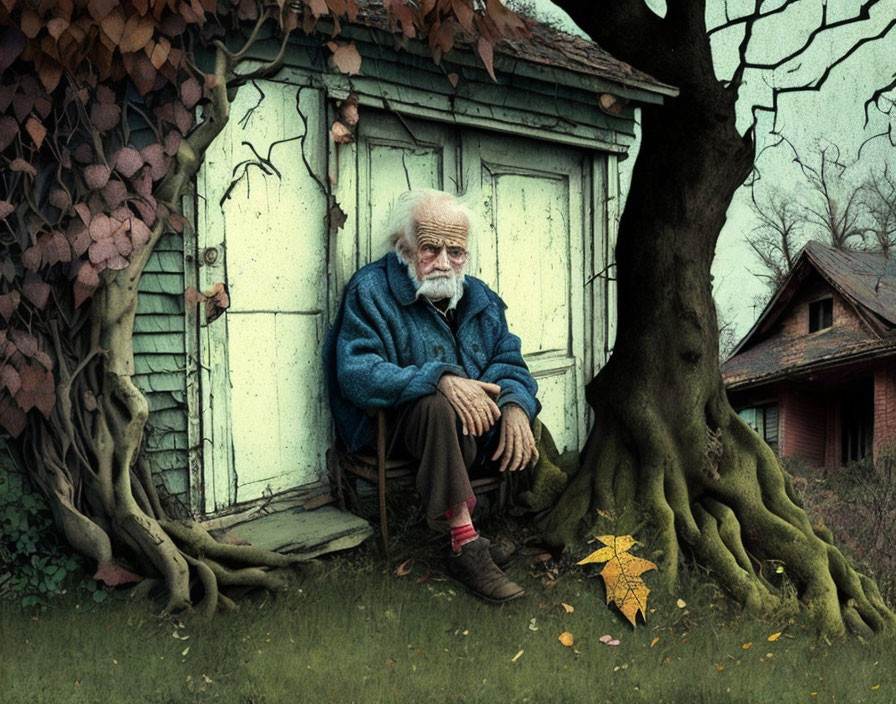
(159, 363)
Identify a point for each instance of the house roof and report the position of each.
(867, 283)
(546, 46)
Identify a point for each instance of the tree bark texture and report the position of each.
(87, 457)
(666, 445)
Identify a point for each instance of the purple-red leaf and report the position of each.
(59, 198)
(346, 57)
(9, 128)
(9, 377)
(117, 262)
(32, 258)
(12, 418)
(12, 43)
(100, 227)
(38, 389)
(25, 342)
(128, 161)
(105, 116)
(143, 183)
(113, 575)
(114, 193)
(172, 142)
(183, 118)
(101, 251)
(6, 209)
(55, 248)
(140, 233)
(86, 282)
(486, 52)
(84, 212)
(79, 236)
(83, 153)
(20, 164)
(154, 155)
(8, 304)
(37, 131)
(190, 92)
(96, 176)
(36, 290)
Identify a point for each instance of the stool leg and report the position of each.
(381, 478)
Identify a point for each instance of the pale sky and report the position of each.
(833, 115)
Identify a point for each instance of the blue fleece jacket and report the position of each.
(387, 347)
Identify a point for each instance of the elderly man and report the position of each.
(416, 336)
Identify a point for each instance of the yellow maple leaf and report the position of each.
(621, 574)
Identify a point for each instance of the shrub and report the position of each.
(35, 562)
(857, 502)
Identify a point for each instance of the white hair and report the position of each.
(402, 226)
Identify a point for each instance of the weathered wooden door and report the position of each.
(388, 157)
(261, 230)
(532, 248)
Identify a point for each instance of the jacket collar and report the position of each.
(474, 300)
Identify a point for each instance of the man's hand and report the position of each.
(517, 444)
(473, 402)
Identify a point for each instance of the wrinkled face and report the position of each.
(441, 241)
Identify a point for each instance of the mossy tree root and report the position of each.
(737, 515)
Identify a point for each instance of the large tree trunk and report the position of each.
(666, 445)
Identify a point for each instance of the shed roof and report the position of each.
(549, 47)
(867, 283)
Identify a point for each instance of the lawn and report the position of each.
(353, 630)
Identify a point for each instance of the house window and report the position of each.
(821, 314)
(764, 420)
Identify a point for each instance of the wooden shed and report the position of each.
(283, 215)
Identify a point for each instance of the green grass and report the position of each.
(356, 633)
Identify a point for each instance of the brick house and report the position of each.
(816, 375)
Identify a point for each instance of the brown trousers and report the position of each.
(429, 431)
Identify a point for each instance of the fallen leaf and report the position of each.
(422, 578)
(532, 625)
(404, 568)
(565, 638)
(745, 646)
(654, 641)
(452, 79)
(876, 686)
(621, 575)
(185, 651)
(517, 656)
(720, 667)
(681, 603)
(774, 636)
(567, 607)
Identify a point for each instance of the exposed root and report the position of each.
(737, 520)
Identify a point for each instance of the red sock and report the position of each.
(461, 535)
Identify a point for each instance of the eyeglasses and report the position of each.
(428, 252)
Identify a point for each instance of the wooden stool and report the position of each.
(378, 471)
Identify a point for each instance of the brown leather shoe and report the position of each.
(501, 552)
(474, 568)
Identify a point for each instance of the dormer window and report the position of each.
(821, 314)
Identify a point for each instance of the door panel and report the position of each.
(531, 250)
(264, 427)
(393, 157)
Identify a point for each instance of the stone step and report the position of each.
(306, 533)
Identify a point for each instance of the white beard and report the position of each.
(437, 286)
